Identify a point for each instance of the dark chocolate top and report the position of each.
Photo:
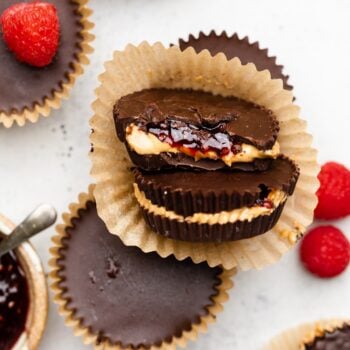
(235, 47)
(14, 301)
(339, 339)
(22, 85)
(188, 192)
(240, 119)
(125, 295)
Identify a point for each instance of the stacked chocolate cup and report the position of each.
(194, 158)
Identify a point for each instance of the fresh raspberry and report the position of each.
(31, 31)
(334, 192)
(325, 251)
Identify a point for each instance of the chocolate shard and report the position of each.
(193, 123)
(189, 192)
(233, 46)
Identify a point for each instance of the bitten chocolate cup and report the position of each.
(215, 206)
(232, 46)
(27, 92)
(120, 298)
(321, 335)
(35, 290)
(169, 128)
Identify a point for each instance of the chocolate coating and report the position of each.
(189, 192)
(14, 301)
(22, 85)
(194, 232)
(126, 296)
(339, 339)
(232, 47)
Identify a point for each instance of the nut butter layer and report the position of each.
(215, 206)
(165, 128)
(127, 298)
(233, 46)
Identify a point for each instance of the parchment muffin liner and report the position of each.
(86, 334)
(295, 338)
(148, 66)
(54, 102)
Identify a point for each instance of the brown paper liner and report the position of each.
(293, 339)
(54, 102)
(148, 66)
(85, 333)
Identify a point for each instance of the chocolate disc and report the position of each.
(21, 85)
(232, 47)
(125, 296)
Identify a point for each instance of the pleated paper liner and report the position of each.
(86, 333)
(45, 107)
(233, 46)
(148, 66)
(292, 339)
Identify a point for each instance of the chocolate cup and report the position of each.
(26, 91)
(245, 122)
(233, 46)
(136, 299)
(187, 193)
(194, 232)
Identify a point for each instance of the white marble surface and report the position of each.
(48, 162)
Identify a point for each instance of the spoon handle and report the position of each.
(40, 219)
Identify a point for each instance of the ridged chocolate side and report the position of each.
(189, 192)
(193, 232)
(233, 46)
(167, 161)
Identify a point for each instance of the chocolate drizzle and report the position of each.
(21, 85)
(14, 301)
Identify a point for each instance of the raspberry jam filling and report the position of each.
(192, 140)
(14, 301)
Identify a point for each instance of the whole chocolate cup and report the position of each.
(187, 193)
(194, 232)
(233, 46)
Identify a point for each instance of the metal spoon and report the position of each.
(41, 218)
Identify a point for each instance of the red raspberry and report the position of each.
(325, 251)
(31, 31)
(334, 192)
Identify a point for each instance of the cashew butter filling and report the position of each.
(198, 143)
